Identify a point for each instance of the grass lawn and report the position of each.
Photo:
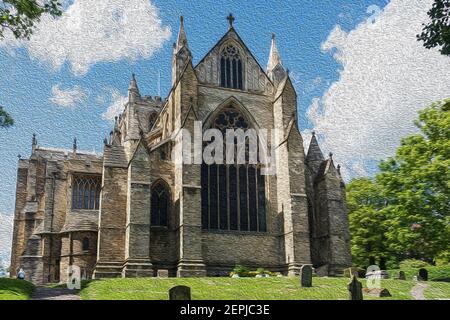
(437, 291)
(242, 289)
(13, 289)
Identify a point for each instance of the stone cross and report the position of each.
(423, 275)
(306, 276)
(180, 293)
(230, 19)
(401, 275)
(355, 289)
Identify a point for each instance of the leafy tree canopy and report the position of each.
(404, 212)
(5, 119)
(437, 32)
(19, 16)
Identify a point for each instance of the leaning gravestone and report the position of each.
(306, 276)
(180, 293)
(355, 289)
(423, 275)
(401, 275)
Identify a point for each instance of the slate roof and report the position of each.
(115, 156)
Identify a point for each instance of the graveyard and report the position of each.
(272, 288)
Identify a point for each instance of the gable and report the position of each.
(255, 78)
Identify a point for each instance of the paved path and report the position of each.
(417, 291)
(43, 293)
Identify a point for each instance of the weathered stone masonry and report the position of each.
(137, 208)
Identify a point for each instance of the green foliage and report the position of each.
(367, 222)
(241, 270)
(443, 259)
(13, 289)
(5, 119)
(404, 212)
(437, 32)
(413, 263)
(19, 16)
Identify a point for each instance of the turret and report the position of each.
(314, 158)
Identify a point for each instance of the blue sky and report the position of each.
(28, 81)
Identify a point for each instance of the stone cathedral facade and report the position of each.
(136, 210)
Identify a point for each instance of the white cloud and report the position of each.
(386, 77)
(6, 228)
(92, 31)
(67, 97)
(117, 104)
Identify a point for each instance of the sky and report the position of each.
(359, 72)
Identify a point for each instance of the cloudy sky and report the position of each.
(360, 74)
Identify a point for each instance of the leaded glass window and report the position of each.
(231, 68)
(233, 195)
(159, 204)
(86, 192)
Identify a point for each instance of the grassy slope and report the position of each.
(13, 289)
(234, 289)
(434, 273)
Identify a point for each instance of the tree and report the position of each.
(405, 209)
(416, 184)
(437, 32)
(5, 119)
(19, 16)
(367, 222)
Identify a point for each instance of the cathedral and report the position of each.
(139, 210)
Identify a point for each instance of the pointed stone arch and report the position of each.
(160, 203)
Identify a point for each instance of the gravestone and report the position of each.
(355, 289)
(180, 293)
(401, 275)
(163, 273)
(423, 275)
(306, 276)
(377, 292)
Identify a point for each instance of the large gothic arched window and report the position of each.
(233, 195)
(86, 192)
(231, 68)
(160, 201)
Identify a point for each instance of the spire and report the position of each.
(133, 90)
(181, 53)
(275, 69)
(274, 56)
(182, 38)
(314, 152)
(133, 84)
(33, 143)
(74, 146)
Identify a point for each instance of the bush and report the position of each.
(413, 263)
(243, 271)
(443, 259)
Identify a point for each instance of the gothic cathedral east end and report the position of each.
(140, 210)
